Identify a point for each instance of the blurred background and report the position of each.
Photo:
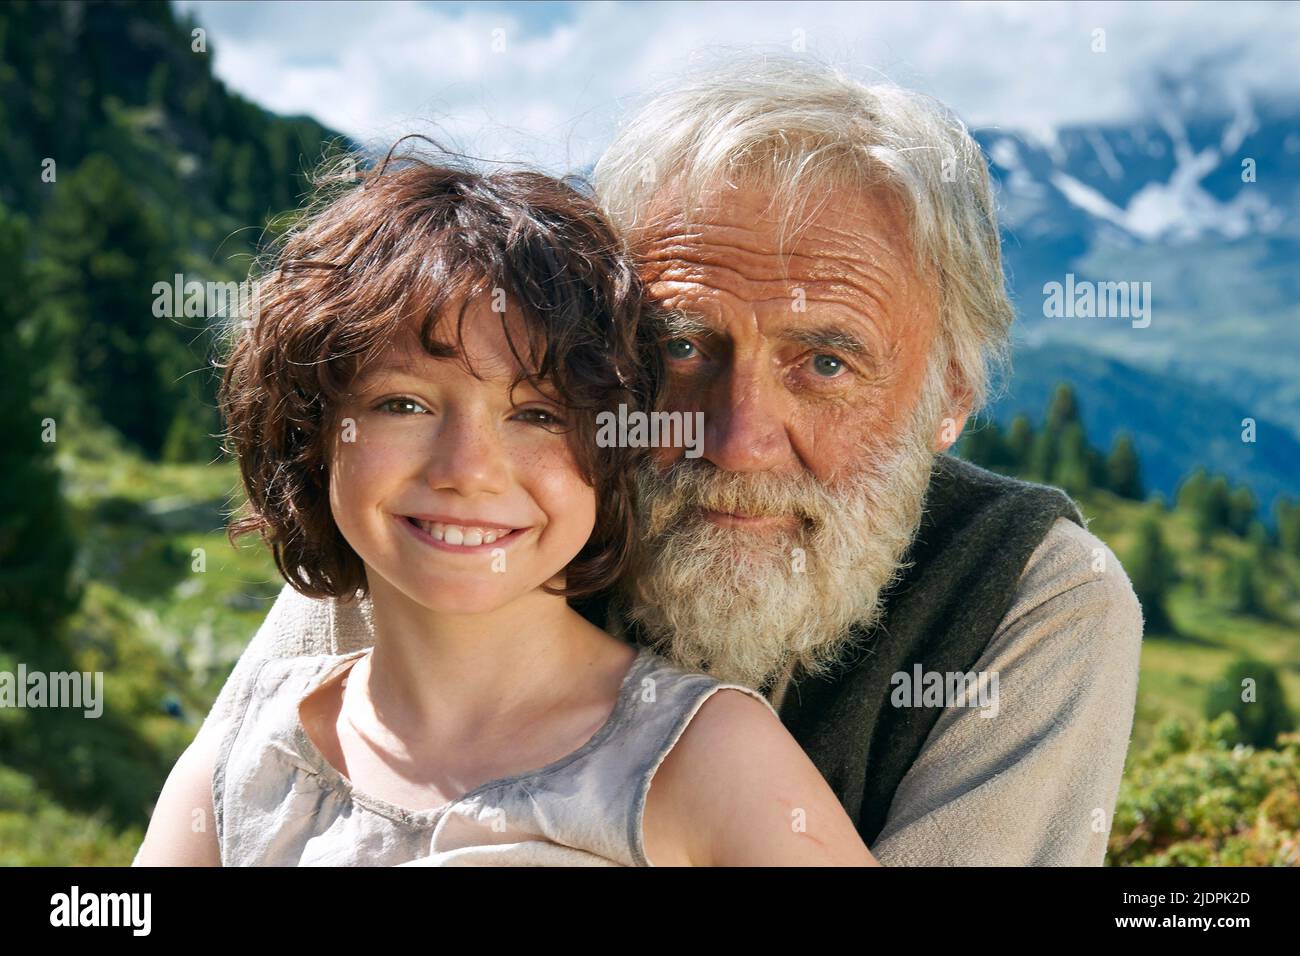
(140, 141)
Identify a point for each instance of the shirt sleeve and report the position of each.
(1033, 780)
(297, 626)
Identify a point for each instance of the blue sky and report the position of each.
(547, 82)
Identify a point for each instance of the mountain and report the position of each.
(133, 164)
(1198, 201)
(130, 81)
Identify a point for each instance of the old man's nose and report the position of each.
(744, 427)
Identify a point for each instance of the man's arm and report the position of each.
(297, 626)
(1037, 783)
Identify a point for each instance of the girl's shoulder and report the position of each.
(265, 713)
(683, 726)
(661, 693)
(734, 788)
(292, 677)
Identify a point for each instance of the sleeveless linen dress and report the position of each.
(278, 802)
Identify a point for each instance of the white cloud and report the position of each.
(556, 90)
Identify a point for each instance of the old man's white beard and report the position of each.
(746, 605)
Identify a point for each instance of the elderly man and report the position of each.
(955, 652)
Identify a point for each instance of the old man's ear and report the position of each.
(954, 417)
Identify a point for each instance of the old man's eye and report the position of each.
(679, 348)
(827, 366)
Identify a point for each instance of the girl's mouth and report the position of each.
(460, 539)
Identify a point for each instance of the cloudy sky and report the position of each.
(547, 82)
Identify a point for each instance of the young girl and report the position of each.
(414, 415)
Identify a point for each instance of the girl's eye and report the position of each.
(679, 348)
(540, 416)
(391, 405)
(827, 366)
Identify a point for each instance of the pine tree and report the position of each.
(1123, 475)
(1241, 586)
(1098, 475)
(982, 444)
(1019, 442)
(1206, 499)
(1192, 491)
(1064, 409)
(1263, 713)
(1044, 456)
(1151, 571)
(1241, 510)
(1072, 465)
(1288, 526)
(1261, 544)
(105, 251)
(1215, 508)
(37, 546)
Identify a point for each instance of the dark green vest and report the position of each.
(975, 538)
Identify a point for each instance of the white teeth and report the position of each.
(459, 535)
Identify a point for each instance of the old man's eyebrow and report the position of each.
(676, 323)
(830, 338)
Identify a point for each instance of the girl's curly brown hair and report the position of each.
(380, 254)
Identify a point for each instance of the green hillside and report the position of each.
(131, 164)
(126, 162)
(165, 634)
(1179, 667)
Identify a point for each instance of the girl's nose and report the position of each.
(467, 457)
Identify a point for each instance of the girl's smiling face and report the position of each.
(456, 493)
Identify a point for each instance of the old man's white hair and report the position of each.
(801, 127)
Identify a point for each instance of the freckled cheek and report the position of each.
(551, 479)
(369, 453)
(366, 473)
